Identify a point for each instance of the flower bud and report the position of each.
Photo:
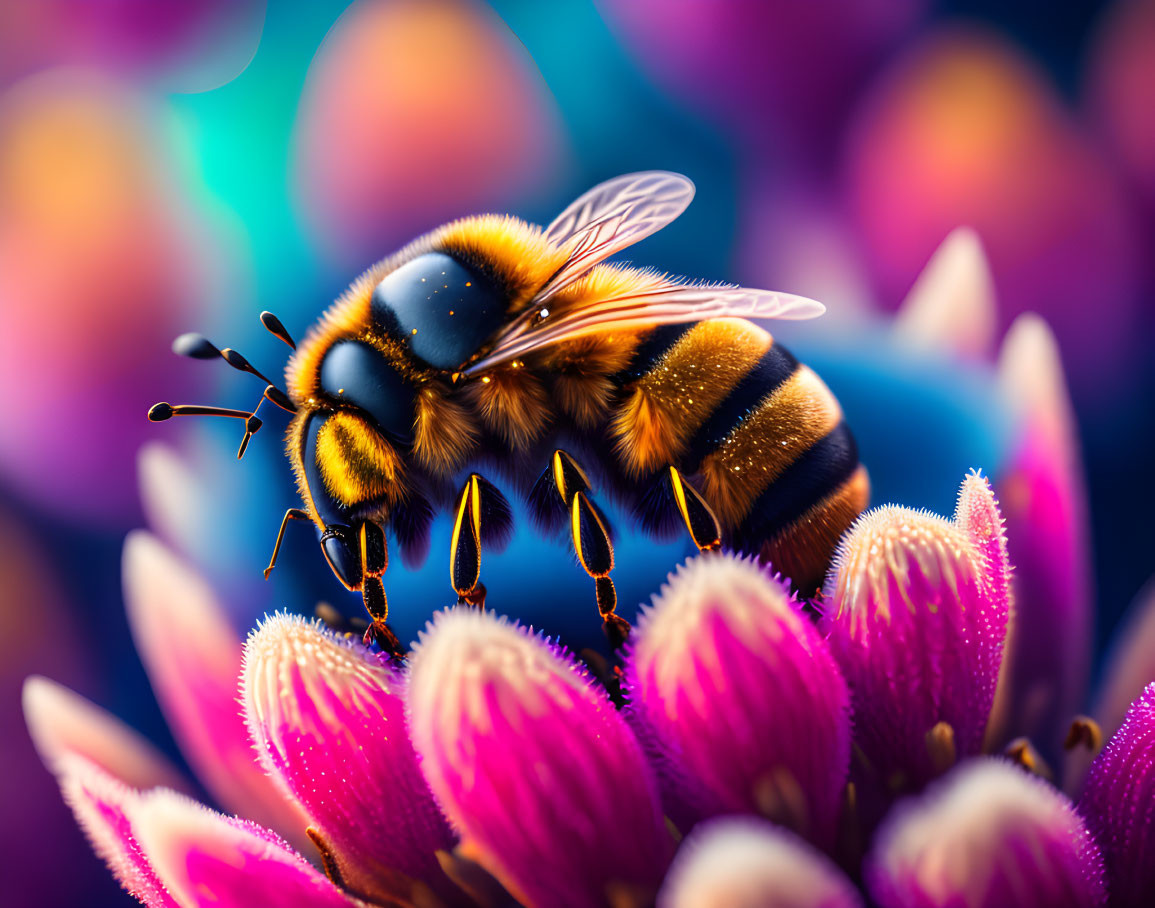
(534, 766)
(919, 609)
(740, 693)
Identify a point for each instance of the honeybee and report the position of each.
(491, 345)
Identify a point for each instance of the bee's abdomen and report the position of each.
(772, 456)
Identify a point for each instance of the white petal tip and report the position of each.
(62, 723)
(952, 306)
(737, 862)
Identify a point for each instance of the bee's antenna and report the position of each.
(197, 346)
(274, 327)
(162, 411)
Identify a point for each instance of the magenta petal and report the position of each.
(102, 806)
(738, 688)
(193, 658)
(328, 720)
(919, 624)
(206, 858)
(1043, 499)
(534, 766)
(978, 515)
(739, 863)
(986, 834)
(1118, 803)
(62, 722)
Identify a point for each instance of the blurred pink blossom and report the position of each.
(414, 113)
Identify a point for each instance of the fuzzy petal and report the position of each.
(193, 658)
(328, 720)
(533, 765)
(977, 514)
(62, 722)
(206, 858)
(952, 304)
(738, 688)
(918, 632)
(1119, 804)
(1044, 501)
(986, 834)
(745, 863)
(102, 806)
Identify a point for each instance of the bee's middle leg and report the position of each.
(591, 540)
(482, 514)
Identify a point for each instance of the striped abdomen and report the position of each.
(760, 434)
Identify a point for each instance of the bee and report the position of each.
(491, 346)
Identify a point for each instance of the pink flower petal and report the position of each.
(919, 622)
(739, 689)
(986, 834)
(207, 858)
(951, 307)
(62, 722)
(328, 720)
(737, 863)
(193, 658)
(977, 514)
(1118, 802)
(533, 765)
(1045, 506)
(102, 806)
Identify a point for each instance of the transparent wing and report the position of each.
(612, 216)
(666, 304)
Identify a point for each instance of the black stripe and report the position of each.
(772, 369)
(813, 476)
(652, 349)
(328, 508)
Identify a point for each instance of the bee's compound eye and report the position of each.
(442, 308)
(358, 374)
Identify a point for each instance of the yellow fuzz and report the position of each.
(357, 465)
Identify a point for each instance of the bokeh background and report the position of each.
(174, 166)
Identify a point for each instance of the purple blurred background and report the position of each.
(179, 166)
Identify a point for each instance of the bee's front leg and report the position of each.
(482, 514)
(374, 561)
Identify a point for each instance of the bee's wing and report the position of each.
(666, 304)
(612, 216)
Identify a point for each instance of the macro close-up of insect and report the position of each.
(493, 348)
(691, 455)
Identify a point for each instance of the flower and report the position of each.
(495, 766)
(993, 833)
(908, 582)
(748, 749)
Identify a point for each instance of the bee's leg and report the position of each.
(374, 560)
(483, 516)
(291, 514)
(465, 546)
(591, 540)
(698, 516)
